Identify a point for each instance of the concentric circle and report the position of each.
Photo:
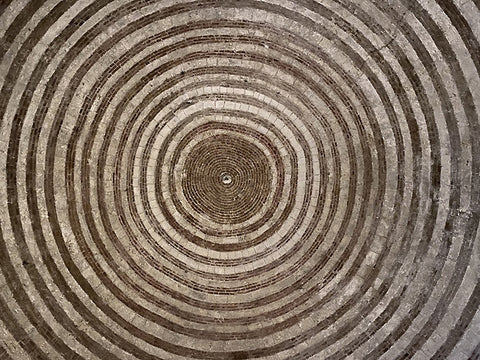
(241, 179)
(226, 160)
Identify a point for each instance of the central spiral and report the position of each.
(227, 179)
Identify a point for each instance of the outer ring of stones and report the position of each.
(115, 296)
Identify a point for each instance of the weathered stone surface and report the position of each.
(219, 179)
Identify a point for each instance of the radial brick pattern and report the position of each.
(248, 179)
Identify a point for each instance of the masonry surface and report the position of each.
(248, 179)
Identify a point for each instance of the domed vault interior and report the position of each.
(248, 179)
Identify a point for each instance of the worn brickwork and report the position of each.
(239, 179)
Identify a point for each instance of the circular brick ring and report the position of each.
(249, 179)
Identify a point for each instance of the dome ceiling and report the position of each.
(239, 179)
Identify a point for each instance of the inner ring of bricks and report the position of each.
(215, 158)
(272, 205)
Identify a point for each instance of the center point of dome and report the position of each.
(226, 179)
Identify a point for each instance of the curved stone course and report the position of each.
(240, 179)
